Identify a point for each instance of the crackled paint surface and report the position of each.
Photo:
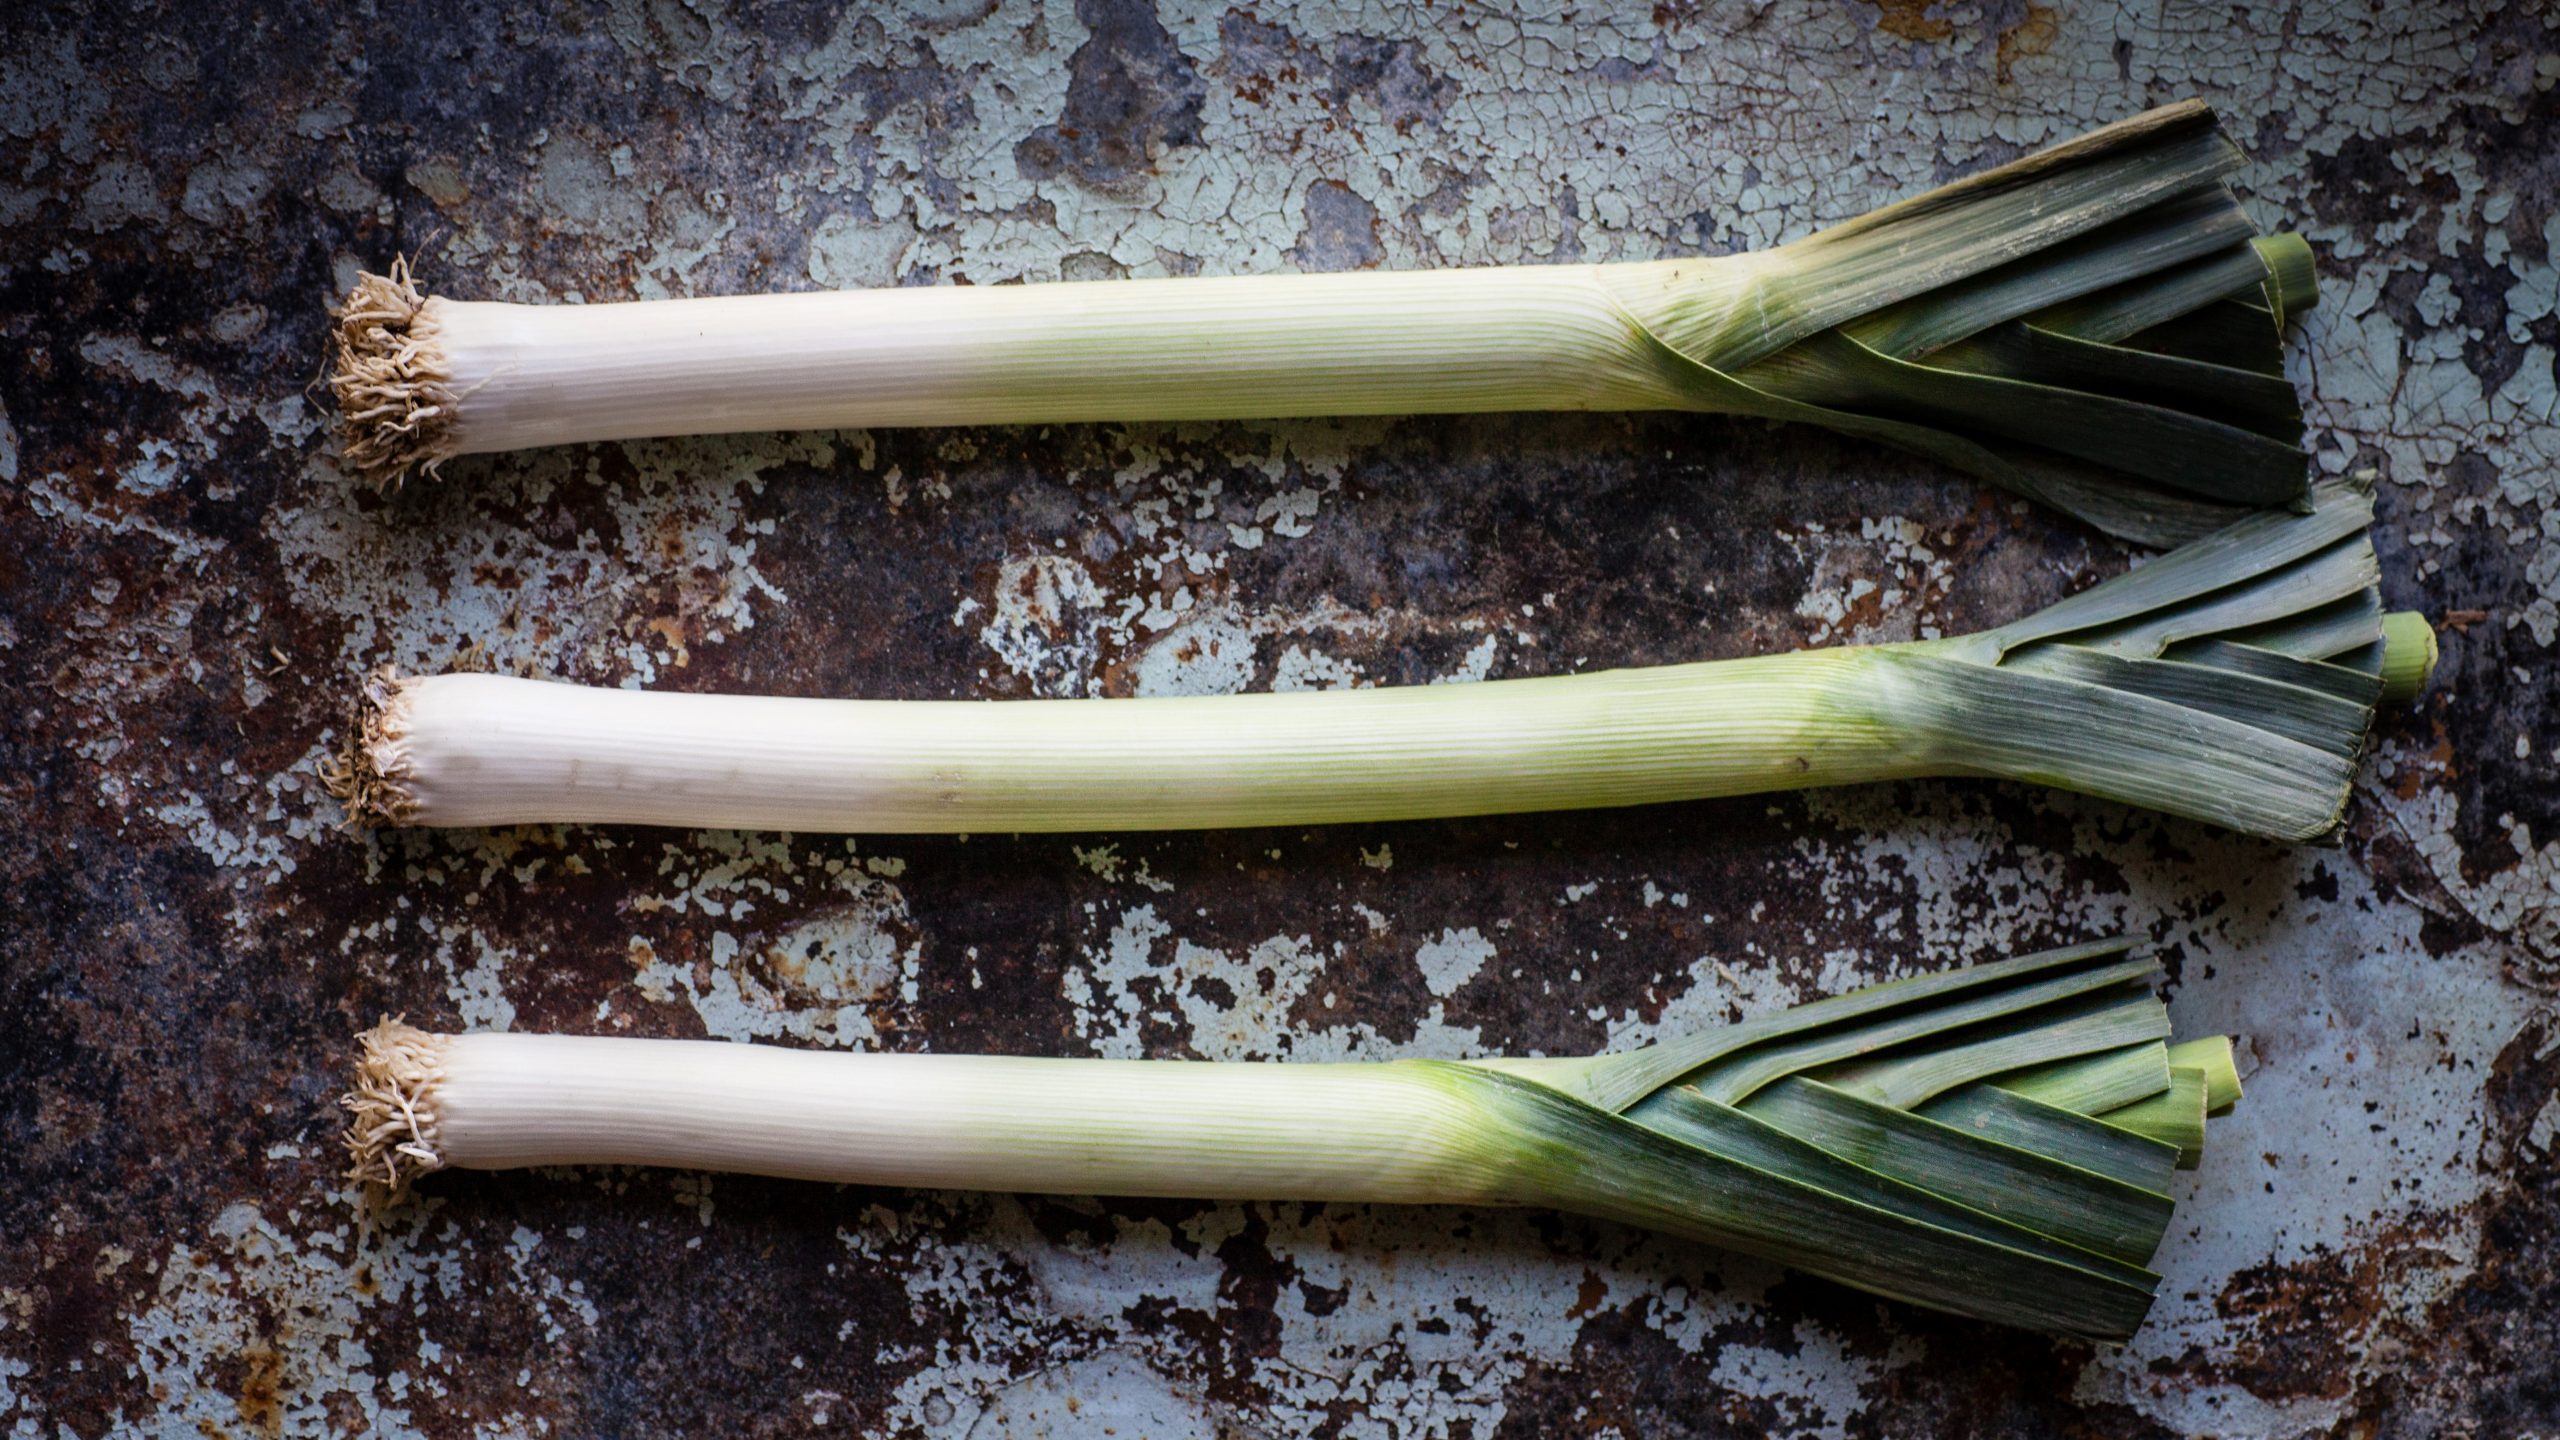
(190, 583)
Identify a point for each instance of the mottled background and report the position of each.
(190, 582)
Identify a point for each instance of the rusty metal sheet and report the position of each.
(190, 583)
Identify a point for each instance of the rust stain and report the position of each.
(1587, 1299)
(261, 1395)
(670, 629)
(667, 540)
(2032, 35)
(2434, 767)
(2291, 1312)
(1911, 20)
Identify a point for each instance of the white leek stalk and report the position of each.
(2232, 681)
(2095, 325)
(1893, 1138)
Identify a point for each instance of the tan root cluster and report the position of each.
(369, 775)
(388, 372)
(391, 1139)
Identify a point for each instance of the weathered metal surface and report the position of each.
(190, 583)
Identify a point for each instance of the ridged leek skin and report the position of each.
(2232, 681)
(2095, 326)
(1886, 1138)
(1227, 1131)
(492, 750)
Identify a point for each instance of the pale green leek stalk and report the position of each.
(1890, 1139)
(2095, 326)
(2232, 681)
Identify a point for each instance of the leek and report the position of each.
(2231, 681)
(2095, 326)
(1880, 1138)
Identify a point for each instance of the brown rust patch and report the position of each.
(2034, 34)
(1587, 1300)
(2292, 1314)
(1911, 20)
(670, 630)
(260, 1397)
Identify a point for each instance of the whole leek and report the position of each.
(1938, 1139)
(2095, 326)
(2231, 681)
